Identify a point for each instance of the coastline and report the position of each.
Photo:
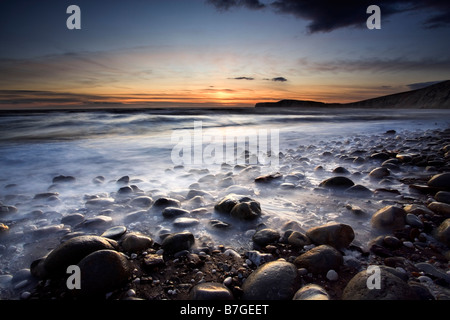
(158, 276)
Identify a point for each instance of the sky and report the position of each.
(194, 53)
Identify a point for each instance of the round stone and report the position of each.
(276, 280)
(210, 291)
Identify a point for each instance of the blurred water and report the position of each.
(36, 147)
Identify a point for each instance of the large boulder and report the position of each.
(70, 253)
(337, 235)
(103, 271)
(389, 217)
(320, 260)
(275, 280)
(378, 284)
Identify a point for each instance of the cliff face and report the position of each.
(436, 96)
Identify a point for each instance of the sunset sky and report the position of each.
(190, 53)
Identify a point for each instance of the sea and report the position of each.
(168, 153)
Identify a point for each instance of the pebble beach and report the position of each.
(351, 204)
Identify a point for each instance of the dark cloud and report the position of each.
(329, 15)
(228, 4)
(243, 78)
(279, 79)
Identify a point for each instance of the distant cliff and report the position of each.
(436, 96)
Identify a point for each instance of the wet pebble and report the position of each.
(103, 271)
(275, 280)
(389, 217)
(185, 222)
(134, 242)
(177, 242)
(337, 235)
(320, 259)
(210, 291)
(413, 220)
(311, 292)
(172, 212)
(443, 196)
(266, 236)
(114, 232)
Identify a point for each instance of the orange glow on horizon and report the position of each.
(228, 96)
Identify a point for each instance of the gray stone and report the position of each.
(8, 209)
(100, 221)
(141, 202)
(311, 292)
(431, 270)
(175, 242)
(172, 212)
(72, 219)
(442, 196)
(391, 287)
(413, 220)
(153, 260)
(239, 207)
(210, 291)
(165, 202)
(320, 259)
(276, 280)
(103, 271)
(134, 242)
(341, 170)
(379, 173)
(417, 209)
(298, 239)
(63, 179)
(389, 217)
(114, 232)
(246, 211)
(69, 253)
(337, 235)
(381, 156)
(337, 183)
(358, 191)
(258, 258)
(185, 222)
(99, 203)
(226, 204)
(218, 224)
(265, 236)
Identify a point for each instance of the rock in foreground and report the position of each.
(276, 280)
(103, 271)
(389, 287)
(70, 253)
